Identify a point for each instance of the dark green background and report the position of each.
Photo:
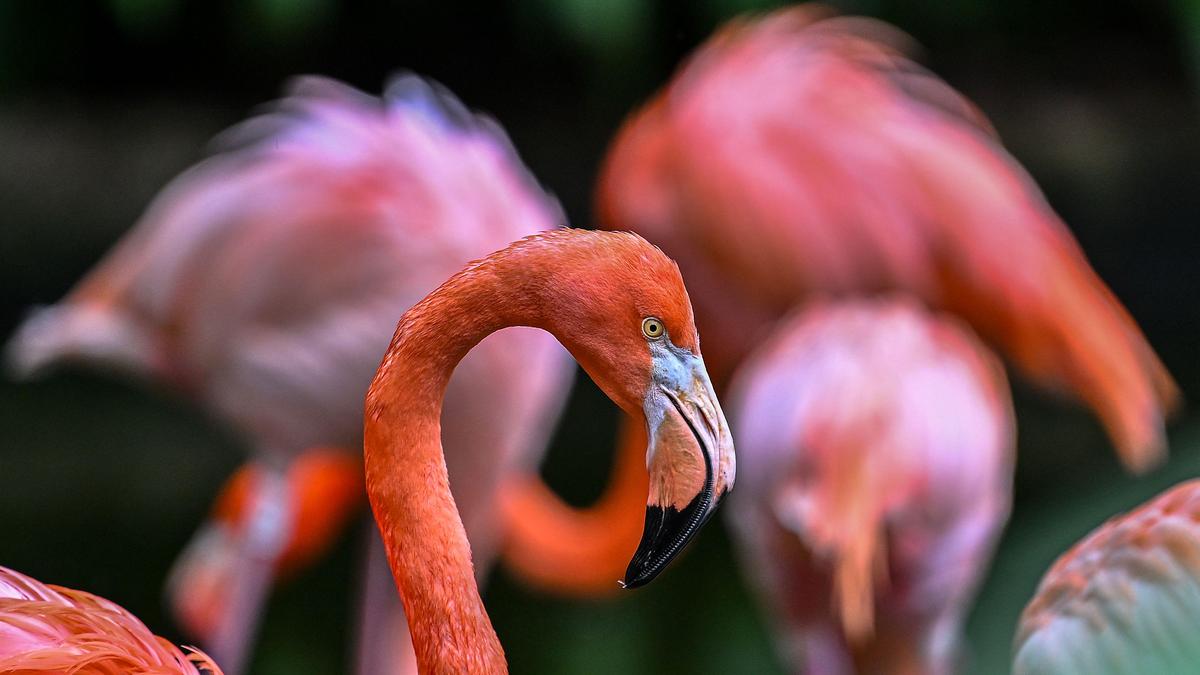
(101, 103)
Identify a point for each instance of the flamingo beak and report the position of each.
(689, 457)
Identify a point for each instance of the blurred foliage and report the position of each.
(290, 19)
(144, 17)
(606, 27)
(1188, 13)
(101, 103)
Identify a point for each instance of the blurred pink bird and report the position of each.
(1123, 601)
(875, 475)
(50, 629)
(265, 283)
(795, 154)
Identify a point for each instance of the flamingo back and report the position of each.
(266, 280)
(1125, 599)
(876, 459)
(796, 153)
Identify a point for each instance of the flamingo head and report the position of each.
(630, 325)
(689, 453)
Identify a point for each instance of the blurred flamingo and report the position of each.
(619, 306)
(50, 629)
(1124, 600)
(796, 155)
(264, 282)
(577, 552)
(875, 457)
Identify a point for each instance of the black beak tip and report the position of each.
(639, 574)
(666, 533)
(640, 571)
(635, 581)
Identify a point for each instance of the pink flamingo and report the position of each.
(1124, 600)
(796, 155)
(50, 629)
(619, 306)
(876, 458)
(264, 282)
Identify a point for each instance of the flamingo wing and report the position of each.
(50, 629)
(876, 445)
(1124, 600)
(798, 156)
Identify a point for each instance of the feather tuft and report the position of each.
(50, 629)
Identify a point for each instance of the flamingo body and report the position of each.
(1124, 600)
(876, 445)
(257, 279)
(265, 283)
(50, 629)
(796, 154)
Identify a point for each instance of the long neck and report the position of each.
(406, 472)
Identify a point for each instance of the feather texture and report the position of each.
(796, 154)
(1124, 600)
(50, 629)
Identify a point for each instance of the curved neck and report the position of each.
(406, 472)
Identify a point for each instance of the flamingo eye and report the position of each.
(653, 328)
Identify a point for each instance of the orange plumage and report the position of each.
(591, 290)
(49, 629)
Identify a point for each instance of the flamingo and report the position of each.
(876, 460)
(619, 306)
(796, 155)
(50, 629)
(263, 284)
(1124, 600)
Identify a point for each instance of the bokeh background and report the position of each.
(101, 103)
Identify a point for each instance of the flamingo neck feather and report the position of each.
(406, 475)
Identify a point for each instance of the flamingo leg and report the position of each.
(384, 645)
(260, 545)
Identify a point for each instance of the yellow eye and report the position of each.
(652, 328)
